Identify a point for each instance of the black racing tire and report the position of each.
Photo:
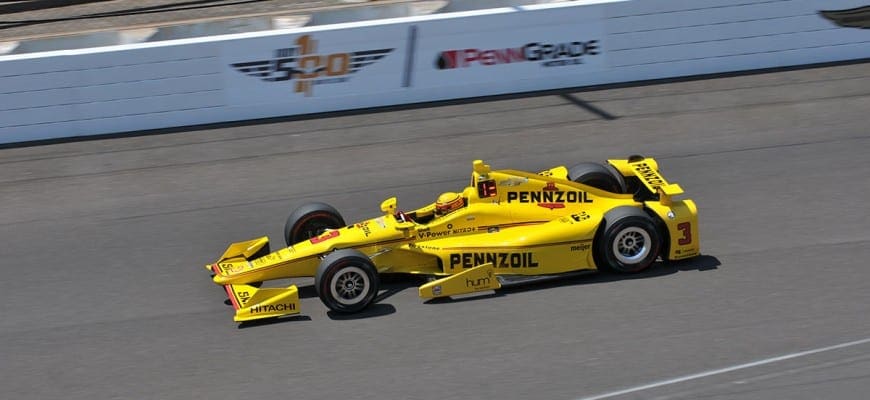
(346, 281)
(310, 220)
(599, 176)
(628, 241)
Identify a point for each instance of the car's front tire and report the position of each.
(310, 220)
(629, 241)
(346, 281)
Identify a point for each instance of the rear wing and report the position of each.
(680, 216)
(647, 171)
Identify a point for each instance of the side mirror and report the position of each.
(389, 206)
(480, 168)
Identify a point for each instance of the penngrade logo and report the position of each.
(546, 54)
(302, 64)
(851, 18)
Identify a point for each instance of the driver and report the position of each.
(448, 202)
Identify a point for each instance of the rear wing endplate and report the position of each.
(647, 172)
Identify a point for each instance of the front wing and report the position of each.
(252, 302)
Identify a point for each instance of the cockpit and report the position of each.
(481, 187)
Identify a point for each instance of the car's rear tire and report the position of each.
(628, 241)
(310, 220)
(599, 176)
(346, 281)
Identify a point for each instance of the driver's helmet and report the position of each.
(448, 202)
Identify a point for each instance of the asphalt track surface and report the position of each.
(104, 293)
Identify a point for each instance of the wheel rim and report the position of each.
(312, 226)
(313, 230)
(349, 285)
(632, 245)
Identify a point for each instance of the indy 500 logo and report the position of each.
(548, 54)
(302, 64)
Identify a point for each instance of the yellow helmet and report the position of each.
(448, 202)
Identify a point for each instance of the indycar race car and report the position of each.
(508, 227)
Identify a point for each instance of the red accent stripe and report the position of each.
(511, 225)
(280, 264)
(232, 296)
(284, 263)
(528, 246)
(227, 288)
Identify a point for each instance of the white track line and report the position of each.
(725, 370)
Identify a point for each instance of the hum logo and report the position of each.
(477, 283)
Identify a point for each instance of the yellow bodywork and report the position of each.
(680, 216)
(475, 279)
(252, 302)
(513, 223)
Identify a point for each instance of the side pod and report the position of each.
(477, 279)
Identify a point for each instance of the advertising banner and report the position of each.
(414, 59)
(300, 68)
(511, 47)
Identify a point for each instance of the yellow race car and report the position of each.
(506, 228)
